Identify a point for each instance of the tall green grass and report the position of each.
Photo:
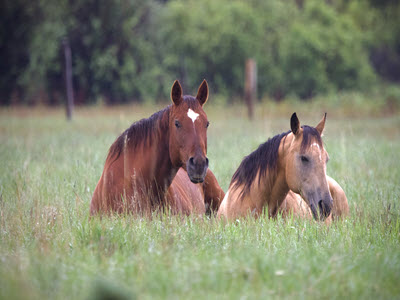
(49, 248)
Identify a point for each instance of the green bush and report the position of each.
(210, 39)
(322, 52)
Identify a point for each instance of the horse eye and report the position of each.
(304, 159)
(177, 124)
(208, 124)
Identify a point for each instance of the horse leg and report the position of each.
(213, 193)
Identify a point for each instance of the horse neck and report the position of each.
(274, 184)
(158, 170)
(163, 169)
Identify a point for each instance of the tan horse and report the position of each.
(293, 161)
(294, 204)
(143, 161)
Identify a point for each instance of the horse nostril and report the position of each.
(206, 161)
(191, 161)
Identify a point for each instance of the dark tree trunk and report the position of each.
(250, 86)
(68, 79)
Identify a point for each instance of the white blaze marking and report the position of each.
(315, 144)
(191, 114)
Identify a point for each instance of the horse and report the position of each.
(143, 161)
(294, 160)
(296, 206)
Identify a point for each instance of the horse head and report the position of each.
(188, 131)
(306, 167)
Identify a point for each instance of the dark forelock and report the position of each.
(310, 134)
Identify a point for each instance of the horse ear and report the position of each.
(295, 124)
(202, 93)
(176, 93)
(321, 125)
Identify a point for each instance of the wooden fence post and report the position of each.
(68, 79)
(250, 86)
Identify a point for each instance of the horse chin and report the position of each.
(196, 173)
(197, 178)
(318, 214)
(320, 209)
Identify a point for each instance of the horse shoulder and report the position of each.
(234, 205)
(223, 208)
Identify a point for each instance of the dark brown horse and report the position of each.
(143, 161)
(293, 161)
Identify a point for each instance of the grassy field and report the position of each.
(49, 249)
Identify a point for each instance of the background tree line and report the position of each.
(132, 50)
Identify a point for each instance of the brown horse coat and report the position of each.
(143, 161)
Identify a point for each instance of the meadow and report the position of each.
(49, 249)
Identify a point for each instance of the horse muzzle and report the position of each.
(196, 168)
(322, 208)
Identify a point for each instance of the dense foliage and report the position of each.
(127, 50)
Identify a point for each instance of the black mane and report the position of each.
(310, 134)
(139, 132)
(265, 157)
